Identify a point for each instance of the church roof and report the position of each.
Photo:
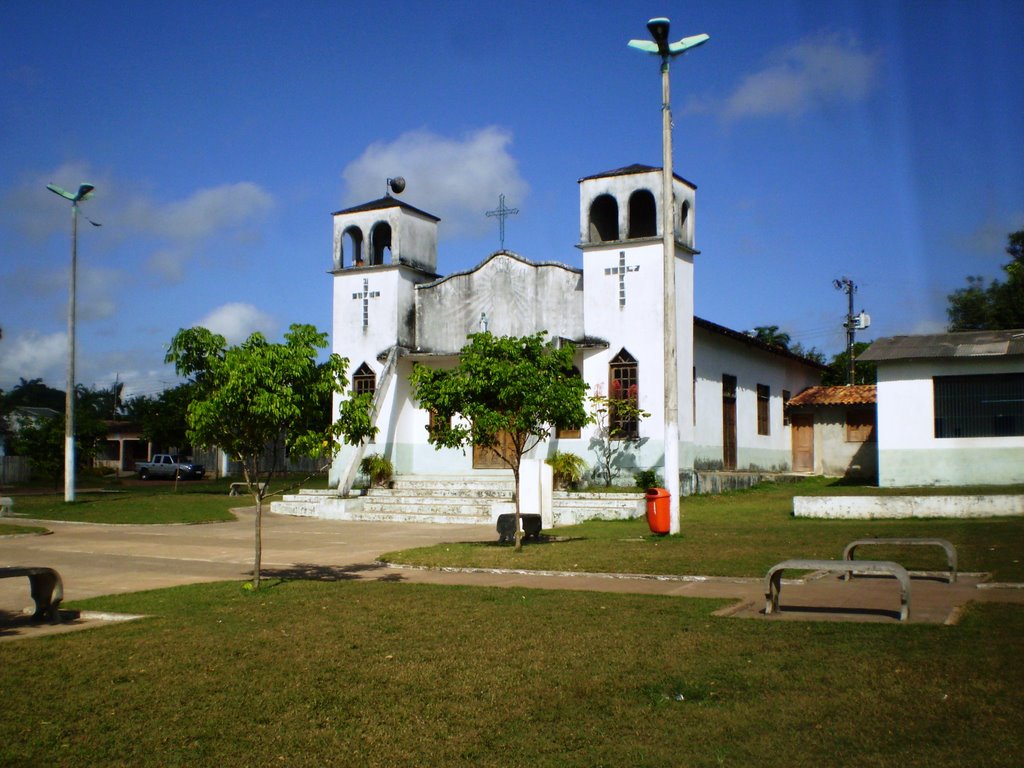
(386, 202)
(752, 341)
(632, 170)
(496, 254)
(959, 344)
(856, 394)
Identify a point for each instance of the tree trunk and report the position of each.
(519, 521)
(259, 541)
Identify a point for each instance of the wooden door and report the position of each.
(728, 422)
(802, 426)
(491, 458)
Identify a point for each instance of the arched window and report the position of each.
(604, 219)
(684, 214)
(352, 242)
(643, 214)
(623, 385)
(364, 380)
(380, 241)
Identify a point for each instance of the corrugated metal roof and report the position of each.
(856, 394)
(960, 344)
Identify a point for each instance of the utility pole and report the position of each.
(852, 324)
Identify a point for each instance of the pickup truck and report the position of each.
(169, 466)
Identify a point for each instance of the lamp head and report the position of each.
(84, 192)
(659, 31)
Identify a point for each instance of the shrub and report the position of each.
(646, 478)
(378, 468)
(567, 469)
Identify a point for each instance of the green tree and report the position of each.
(163, 419)
(770, 334)
(42, 443)
(507, 393)
(33, 392)
(838, 368)
(612, 440)
(249, 395)
(997, 306)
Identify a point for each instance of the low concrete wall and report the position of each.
(896, 507)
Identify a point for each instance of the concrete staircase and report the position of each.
(412, 498)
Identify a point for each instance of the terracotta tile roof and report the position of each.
(857, 394)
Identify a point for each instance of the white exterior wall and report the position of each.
(909, 453)
(717, 355)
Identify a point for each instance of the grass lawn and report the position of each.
(11, 529)
(742, 533)
(385, 674)
(131, 501)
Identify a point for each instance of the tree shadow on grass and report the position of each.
(317, 572)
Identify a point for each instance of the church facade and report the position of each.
(392, 310)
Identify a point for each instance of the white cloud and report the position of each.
(456, 179)
(34, 356)
(236, 322)
(173, 230)
(809, 74)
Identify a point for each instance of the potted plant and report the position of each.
(566, 468)
(378, 468)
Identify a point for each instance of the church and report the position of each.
(393, 310)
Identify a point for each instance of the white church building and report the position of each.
(393, 310)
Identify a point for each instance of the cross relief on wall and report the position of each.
(366, 294)
(621, 271)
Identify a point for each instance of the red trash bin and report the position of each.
(659, 510)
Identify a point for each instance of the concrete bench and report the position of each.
(46, 587)
(6, 506)
(773, 579)
(901, 542)
(237, 489)
(507, 527)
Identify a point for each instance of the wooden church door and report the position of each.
(728, 421)
(491, 458)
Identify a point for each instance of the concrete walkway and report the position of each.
(107, 559)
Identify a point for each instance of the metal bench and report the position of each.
(6, 506)
(507, 527)
(46, 587)
(773, 580)
(900, 542)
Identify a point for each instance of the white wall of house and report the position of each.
(717, 355)
(909, 453)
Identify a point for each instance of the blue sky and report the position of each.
(880, 140)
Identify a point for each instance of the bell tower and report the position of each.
(623, 251)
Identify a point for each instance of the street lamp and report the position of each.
(84, 192)
(667, 51)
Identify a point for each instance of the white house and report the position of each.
(950, 408)
(393, 310)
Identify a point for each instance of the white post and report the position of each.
(669, 259)
(69, 398)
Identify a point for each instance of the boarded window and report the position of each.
(764, 396)
(860, 426)
(623, 384)
(979, 406)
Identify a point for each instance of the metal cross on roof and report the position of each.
(502, 212)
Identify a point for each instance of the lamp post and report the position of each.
(84, 191)
(667, 51)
